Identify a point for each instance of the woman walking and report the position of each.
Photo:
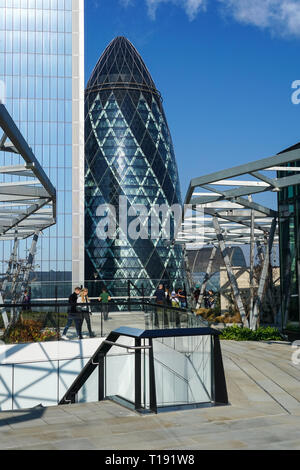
(84, 302)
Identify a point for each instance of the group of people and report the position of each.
(208, 297)
(80, 311)
(174, 298)
(177, 297)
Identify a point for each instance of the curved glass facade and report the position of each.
(129, 153)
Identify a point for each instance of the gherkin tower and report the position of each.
(128, 153)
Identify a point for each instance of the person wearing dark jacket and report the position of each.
(196, 294)
(73, 315)
(160, 294)
(160, 299)
(26, 301)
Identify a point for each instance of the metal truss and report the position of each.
(224, 195)
(27, 203)
(229, 216)
(27, 197)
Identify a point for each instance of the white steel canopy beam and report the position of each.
(31, 189)
(207, 194)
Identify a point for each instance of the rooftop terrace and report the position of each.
(264, 392)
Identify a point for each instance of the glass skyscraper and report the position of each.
(128, 153)
(289, 225)
(41, 64)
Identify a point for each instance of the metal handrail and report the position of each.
(218, 390)
(134, 348)
(112, 302)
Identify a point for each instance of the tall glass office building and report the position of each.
(289, 224)
(41, 64)
(129, 153)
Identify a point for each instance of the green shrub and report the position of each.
(238, 333)
(268, 333)
(28, 331)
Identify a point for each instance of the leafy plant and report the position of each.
(238, 333)
(28, 331)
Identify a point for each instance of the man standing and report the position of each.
(160, 300)
(160, 294)
(104, 298)
(197, 295)
(73, 315)
(182, 298)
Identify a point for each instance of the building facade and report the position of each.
(42, 69)
(289, 230)
(129, 155)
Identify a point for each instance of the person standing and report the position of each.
(168, 297)
(196, 294)
(84, 302)
(160, 294)
(206, 299)
(182, 298)
(174, 299)
(175, 303)
(211, 299)
(73, 315)
(26, 301)
(104, 298)
(168, 303)
(160, 300)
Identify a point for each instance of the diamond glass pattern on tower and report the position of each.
(129, 153)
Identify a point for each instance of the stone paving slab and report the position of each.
(264, 413)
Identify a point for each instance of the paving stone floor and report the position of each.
(264, 413)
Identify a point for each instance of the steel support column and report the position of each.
(252, 246)
(231, 276)
(188, 273)
(263, 278)
(207, 276)
(287, 291)
(30, 261)
(10, 269)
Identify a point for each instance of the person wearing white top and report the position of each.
(85, 312)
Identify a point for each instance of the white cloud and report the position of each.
(279, 16)
(191, 7)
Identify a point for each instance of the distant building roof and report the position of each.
(199, 259)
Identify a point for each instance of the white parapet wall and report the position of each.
(41, 373)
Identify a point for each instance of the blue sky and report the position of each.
(224, 68)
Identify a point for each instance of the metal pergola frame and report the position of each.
(230, 216)
(27, 201)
